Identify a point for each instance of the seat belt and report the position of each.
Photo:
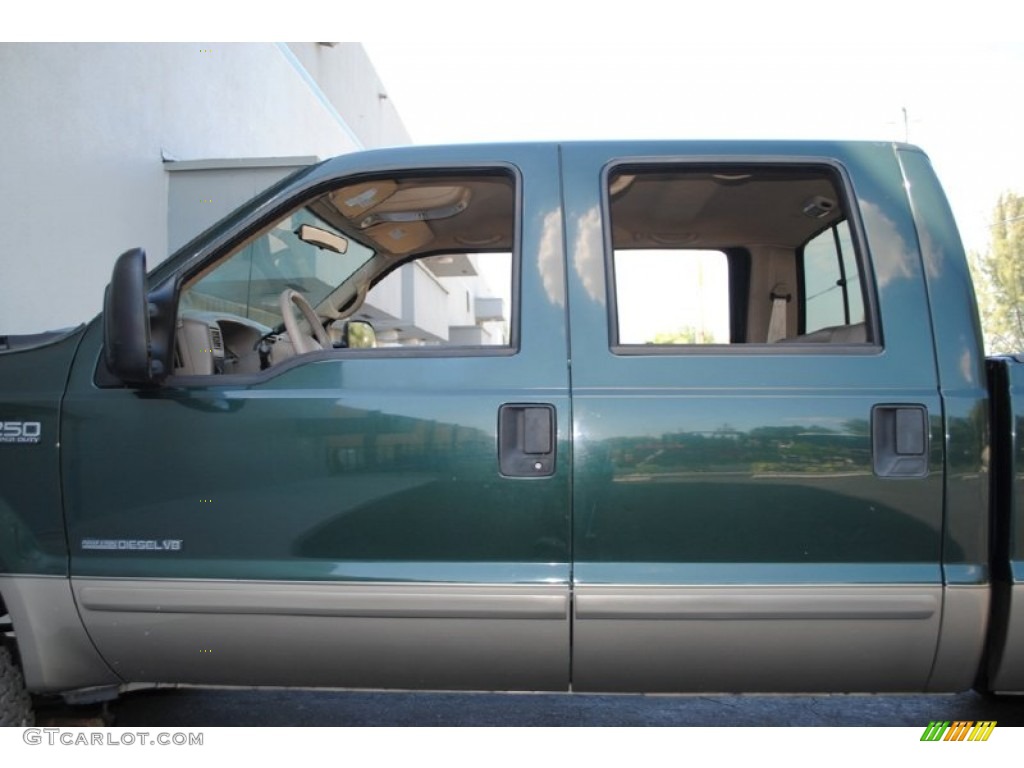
(780, 296)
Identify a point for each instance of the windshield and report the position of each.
(250, 282)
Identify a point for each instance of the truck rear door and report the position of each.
(758, 476)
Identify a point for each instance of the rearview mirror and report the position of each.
(126, 339)
(321, 238)
(358, 334)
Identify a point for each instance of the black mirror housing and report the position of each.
(126, 334)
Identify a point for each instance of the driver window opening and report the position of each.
(450, 300)
(422, 264)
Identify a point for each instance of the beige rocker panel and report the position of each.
(442, 636)
(754, 639)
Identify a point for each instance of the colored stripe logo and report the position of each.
(958, 730)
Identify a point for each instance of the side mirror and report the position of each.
(126, 342)
(358, 334)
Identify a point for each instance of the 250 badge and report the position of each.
(20, 431)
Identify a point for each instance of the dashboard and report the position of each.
(211, 343)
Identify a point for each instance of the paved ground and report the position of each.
(195, 708)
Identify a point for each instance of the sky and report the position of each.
(960, 101)
(945, 77)
(470, 71)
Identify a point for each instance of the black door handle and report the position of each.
(899, 440)
(526, 440)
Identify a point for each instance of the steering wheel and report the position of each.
(302, 342)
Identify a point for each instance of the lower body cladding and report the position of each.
(736, 638)
(755, 638)
(380, 635)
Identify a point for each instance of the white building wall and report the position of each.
(461, 293)
(347, 77)
(424, 304)
(201, 193)
(85, 128)
(384, 305)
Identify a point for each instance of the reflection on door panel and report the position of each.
(340, 506)
(730, 531)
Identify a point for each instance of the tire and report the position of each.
(15, 703)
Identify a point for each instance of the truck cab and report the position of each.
(729, 431)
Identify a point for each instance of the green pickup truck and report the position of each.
(724, 423)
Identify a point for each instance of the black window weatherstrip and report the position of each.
(104, 379)
(235, 380)
(819, 349)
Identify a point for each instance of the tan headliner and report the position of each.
(693, 209)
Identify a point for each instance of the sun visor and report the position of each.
(401, 238)
(356, 200)
(419, 204)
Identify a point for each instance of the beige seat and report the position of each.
(834, 334)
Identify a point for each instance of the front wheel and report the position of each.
(15, 702)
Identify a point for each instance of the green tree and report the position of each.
(999, 277)
(687, 334)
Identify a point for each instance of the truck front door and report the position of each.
(376, 514)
